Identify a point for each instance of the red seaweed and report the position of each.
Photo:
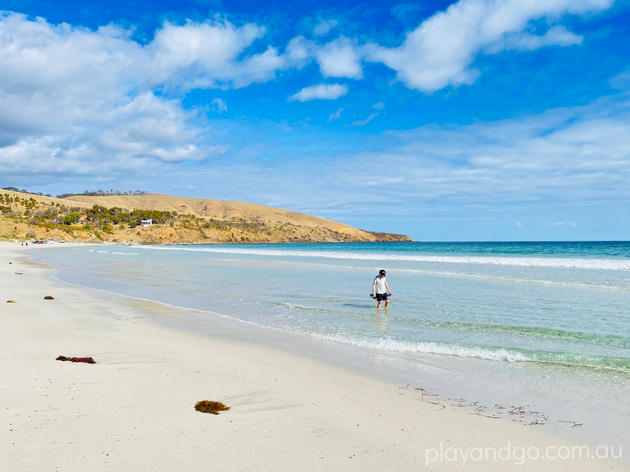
(86, 360)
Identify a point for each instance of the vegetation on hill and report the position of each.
(104, 193)
(29, 216)
(23, 190)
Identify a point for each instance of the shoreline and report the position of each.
(288, 411)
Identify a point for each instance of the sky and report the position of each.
(446, 121)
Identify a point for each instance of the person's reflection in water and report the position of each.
(382, 321)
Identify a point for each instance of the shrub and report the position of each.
(71, 218)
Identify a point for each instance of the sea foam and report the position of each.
(570, 263)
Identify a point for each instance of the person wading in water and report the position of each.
(380, 289)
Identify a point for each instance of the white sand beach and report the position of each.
(134, 409)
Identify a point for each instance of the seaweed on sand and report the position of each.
(206, 406)
(86, 360)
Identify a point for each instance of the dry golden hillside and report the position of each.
(215, 209)
(177, 220)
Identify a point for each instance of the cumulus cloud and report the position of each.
(203, 55)
(321, 91)
(79, 100)
(136, 135)
(441, 50)
(339, 58)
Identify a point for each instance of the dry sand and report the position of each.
(134, 409)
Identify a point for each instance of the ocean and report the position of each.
(546, 324)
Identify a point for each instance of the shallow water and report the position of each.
(558, 303)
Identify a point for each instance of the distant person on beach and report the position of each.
(380, 289)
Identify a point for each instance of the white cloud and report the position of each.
(441, 50)
(378, 106)
(79, 100)
(219, 105)
(555, 36)
(321, 91)
(127, 138)
(299, 51)
(339, 58)
(203, 55)
(324, 27)
(188, 153)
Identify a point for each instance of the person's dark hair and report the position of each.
(381, 272)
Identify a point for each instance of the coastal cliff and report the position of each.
(174, 220)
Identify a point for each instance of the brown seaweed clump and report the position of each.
(86, 360)
(10, 301)
(48, 297)
(206, 406)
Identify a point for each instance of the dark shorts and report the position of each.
(381, 296)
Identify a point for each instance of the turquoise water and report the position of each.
(562, 303)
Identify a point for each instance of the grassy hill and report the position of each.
(177, 220)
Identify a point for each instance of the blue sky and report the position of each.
(468, 120)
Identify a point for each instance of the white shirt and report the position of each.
(380, 284)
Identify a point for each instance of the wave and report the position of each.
(617, 364)
(117, 253)
(579, 336)
(297, 306)
(553, 262)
